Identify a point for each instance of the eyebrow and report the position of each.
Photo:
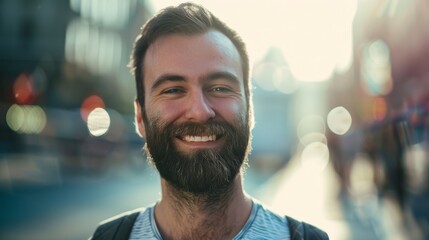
(222, 75)
(211, 76)
(167, 78)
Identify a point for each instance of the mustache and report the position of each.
(209, 128)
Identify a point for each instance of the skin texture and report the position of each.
(193, 58)
(196, 79)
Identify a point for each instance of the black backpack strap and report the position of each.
(116, 228)
(304, 231)
(296, 229)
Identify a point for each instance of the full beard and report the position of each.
(201, 171)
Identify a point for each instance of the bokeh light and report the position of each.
(263, 75)
(376, 68)
(273, 74)
(15, 117)
(313, 137)
(315, 157)
(273, 77)
(339, 120)
(379, 109)
(26, 119)
(362, 177)
(89, 104)
(23, 89)
(98, 122)
(284, 81)
(311, 128)
(417, 166)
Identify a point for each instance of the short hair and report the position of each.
(187, 19)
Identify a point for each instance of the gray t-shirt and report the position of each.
(262, 224)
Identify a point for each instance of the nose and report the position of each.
(198, 108)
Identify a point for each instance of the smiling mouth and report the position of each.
(205, 138)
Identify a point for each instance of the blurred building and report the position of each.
(59, 61)
(29, 38)
(386, 92)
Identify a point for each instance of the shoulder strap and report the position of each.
(296, 229)
(116, 228)
(304, 231)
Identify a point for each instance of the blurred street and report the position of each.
(73, 210)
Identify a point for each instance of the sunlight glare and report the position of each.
(315, 37)
(309, 36)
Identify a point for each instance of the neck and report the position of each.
(218, 215)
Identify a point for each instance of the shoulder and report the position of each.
(119, 225)
(264, 224)
(297, 230)
(305, 231)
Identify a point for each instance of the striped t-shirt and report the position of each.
(262, 224)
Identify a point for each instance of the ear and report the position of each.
(140, 129)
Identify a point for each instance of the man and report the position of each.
(194, 109)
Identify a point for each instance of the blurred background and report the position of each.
(341, 95)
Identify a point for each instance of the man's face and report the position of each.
(195, 120)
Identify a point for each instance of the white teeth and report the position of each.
(200, 138)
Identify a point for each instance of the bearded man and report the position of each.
(194, 109)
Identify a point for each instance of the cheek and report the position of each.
(230, 111)
(164, 112)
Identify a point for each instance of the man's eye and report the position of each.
(172, 91)
(220, 89)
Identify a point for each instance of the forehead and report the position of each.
(191, 55)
